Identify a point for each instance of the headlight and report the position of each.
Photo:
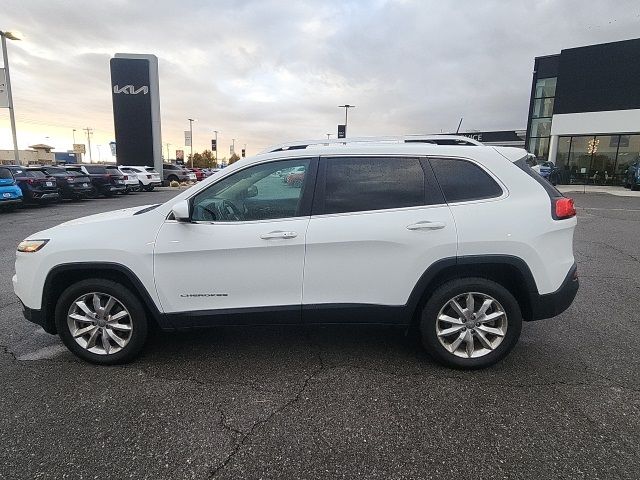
(30, 246)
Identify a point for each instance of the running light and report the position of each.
(30, 246)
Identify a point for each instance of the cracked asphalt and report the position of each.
(334, 402)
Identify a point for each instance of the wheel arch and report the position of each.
(64, 275)
(509, 271)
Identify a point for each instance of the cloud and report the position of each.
(267, 71)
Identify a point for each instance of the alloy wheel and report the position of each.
(100, 323)
(471, 325)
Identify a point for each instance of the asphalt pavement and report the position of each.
(334, 402)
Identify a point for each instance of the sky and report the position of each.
(265, 72)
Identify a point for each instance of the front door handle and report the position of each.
(426, 225)
(278, 234)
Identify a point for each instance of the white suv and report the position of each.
(462, 241)
(147, 177)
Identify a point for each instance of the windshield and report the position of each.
(36, 173)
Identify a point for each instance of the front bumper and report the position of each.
(553, 304)
(10, 201)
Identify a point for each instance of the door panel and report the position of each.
(207, 266)
(374, 257)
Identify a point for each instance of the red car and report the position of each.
(198, 172)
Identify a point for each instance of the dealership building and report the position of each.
(584, 112)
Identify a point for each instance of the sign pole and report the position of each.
(12, 116)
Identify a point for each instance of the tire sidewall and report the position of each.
(126, 297)
(457, 287)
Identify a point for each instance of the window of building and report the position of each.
(541, 113)
(596, 159)
(461, 180)
(361, 184)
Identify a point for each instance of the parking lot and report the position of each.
(334, 402)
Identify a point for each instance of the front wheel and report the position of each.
(470, 323)
(101, 321)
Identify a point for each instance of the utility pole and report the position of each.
(89, 133)
(99, 153)
(216, 132)
(12, 117)
(191, 120)
(346, 107)
(233, 145)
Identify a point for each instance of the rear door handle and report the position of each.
(426, 225)
(278, 234)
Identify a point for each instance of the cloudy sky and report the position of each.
(269, 71)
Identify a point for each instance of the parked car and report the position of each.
(130, 182)
(10, 193)
(632, 177)
(147, 177)
(198, 173)
(430, 238)
(102, 181)
(176, 173)
(71, 184)
(37, 187)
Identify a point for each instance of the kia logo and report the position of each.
(130, 90)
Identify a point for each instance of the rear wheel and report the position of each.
(149, 188)
(470, 323)
(101, 321)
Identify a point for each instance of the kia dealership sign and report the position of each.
(136, 109)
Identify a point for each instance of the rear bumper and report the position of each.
(553, 304)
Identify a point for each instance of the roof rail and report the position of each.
(432, 139)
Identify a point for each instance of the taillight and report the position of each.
(30, 181)
(70, 179)
(148, 176)
(126, 177)
(564, 208)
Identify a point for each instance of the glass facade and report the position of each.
(540, 122)
(596, 159)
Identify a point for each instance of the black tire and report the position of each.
(149, 188)
(453, 288)
(634, 186)
(129, 300)
(172, 178)
(126, 191)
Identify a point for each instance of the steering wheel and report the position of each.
(230, 212)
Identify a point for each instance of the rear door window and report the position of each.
(357, 184)
(463, 181)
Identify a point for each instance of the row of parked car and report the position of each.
(45, 184)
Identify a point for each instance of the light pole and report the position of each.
(10, 36)
(233, 146)
(346, 107)
(89, 133)
(74, 136)
(99, 153)
(329, 135)
(191, 120)
(168, 145)
(216, 132)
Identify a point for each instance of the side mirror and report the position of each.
(181, 211)
(252, 191)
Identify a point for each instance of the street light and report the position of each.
(216, 132)
(191, 120)
(346, 107)
(10, 36)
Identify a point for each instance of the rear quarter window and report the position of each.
(5, 173)
(463, 181)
